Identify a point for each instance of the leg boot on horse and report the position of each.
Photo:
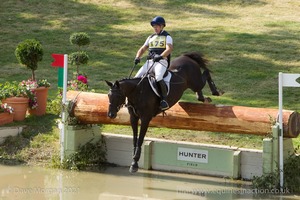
(136, 157)
(163, 89)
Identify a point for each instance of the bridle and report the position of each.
(117, 92)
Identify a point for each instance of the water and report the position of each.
(116, 183)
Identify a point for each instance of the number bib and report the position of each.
(157, 42)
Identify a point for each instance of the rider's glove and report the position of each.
(137, 61)
(157, 58)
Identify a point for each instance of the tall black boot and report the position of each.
(163, 89)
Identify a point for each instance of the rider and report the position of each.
(160, 46)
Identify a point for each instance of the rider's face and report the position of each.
(157, 28)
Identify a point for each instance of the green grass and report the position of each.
(247, 44)
(234, 140)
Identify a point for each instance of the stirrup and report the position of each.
(164, 105)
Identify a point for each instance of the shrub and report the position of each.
(29, 53)
(89, 155)
(80, 57)
(80, 39)
(291, 176)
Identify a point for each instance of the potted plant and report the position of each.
(18, 97)
(29, 53)
(6, 114)
(79, 57)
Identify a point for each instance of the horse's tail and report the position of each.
(198, 57)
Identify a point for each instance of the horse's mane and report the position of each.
(198, 57)
(128, 79)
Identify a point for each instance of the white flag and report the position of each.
(289, 80)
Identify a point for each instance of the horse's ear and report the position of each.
(117, 83)
(109, 83)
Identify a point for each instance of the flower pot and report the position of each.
(20, 105)
(6, 118)
(41, 96)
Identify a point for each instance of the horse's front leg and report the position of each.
(138, 148)
(134, 125)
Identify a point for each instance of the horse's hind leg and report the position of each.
(213, 88)
(200, 97)
(198, 90)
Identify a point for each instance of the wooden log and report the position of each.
(91, 108)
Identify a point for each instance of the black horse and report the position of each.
(143, 104)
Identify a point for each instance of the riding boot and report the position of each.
(163, 89)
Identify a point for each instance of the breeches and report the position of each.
(158, 68)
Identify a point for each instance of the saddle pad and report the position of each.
(153, 84)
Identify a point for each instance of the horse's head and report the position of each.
(116, 99)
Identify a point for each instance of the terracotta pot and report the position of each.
(6, 118)
(41, 95)
(20, 105)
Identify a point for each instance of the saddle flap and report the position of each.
(152, 82)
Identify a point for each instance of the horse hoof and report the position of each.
(221, 92)
(218, 93)
(207, 100)
(201, 98)
(133, 169)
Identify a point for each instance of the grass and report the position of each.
(234, 140)
(36, 145)
(247, 44)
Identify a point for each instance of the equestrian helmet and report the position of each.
(158, 20)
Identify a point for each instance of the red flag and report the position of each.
(58, 60)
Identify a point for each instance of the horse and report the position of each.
(143, 104)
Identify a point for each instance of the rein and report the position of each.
(133, 109)
(148, 71)
(120, 93)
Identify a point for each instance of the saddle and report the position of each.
(152, 82)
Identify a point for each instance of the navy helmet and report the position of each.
(158, 20)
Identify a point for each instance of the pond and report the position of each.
(114, 183)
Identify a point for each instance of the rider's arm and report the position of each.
(141, 51)
(143, 48)
(169, 48)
